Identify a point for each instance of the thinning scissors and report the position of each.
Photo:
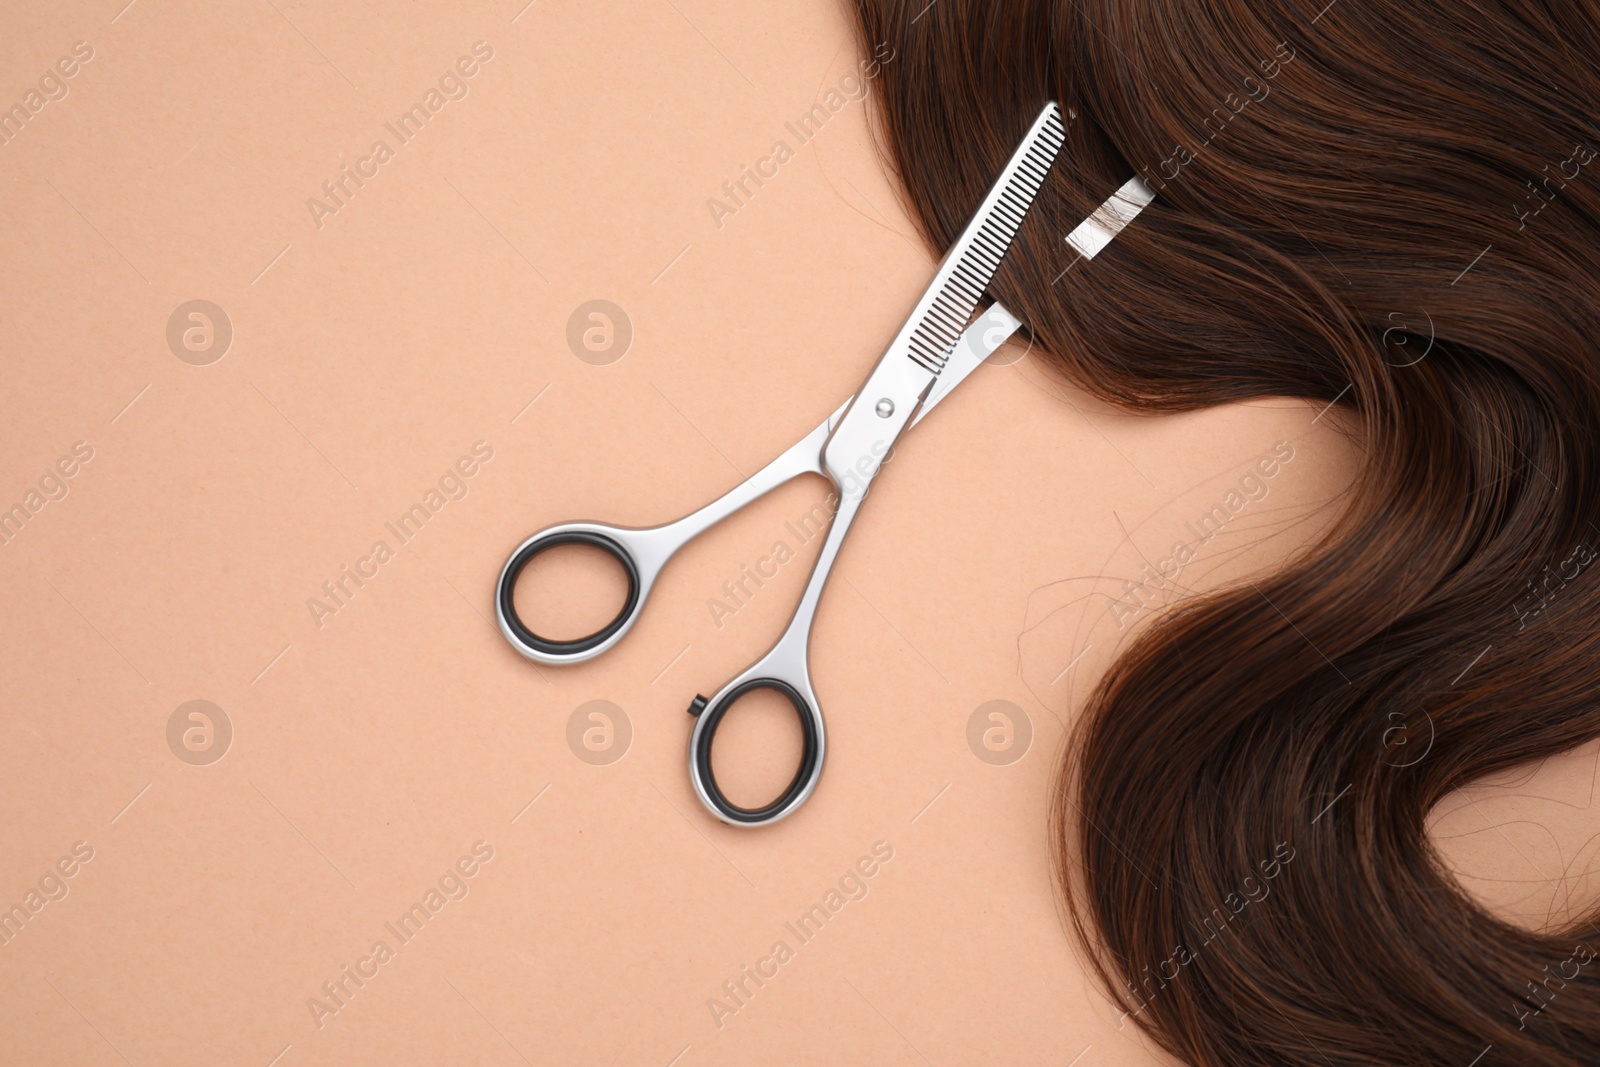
(934, 351)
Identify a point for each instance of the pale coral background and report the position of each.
(371, 752)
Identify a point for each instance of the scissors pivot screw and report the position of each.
(697, 705)
(885, 408)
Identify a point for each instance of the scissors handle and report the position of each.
(638, 551)
(642, 552)
(813, 743)
(784, 669)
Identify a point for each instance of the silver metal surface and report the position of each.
(899, 386)
(911, 365)
(991, 329)
(984, 337)
(786, 661)
(651, 547)
(940, 316)
(1098, 230)
(934, 352)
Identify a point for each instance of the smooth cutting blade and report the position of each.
(941, 315)
(1097, 231)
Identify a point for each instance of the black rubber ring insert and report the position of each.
(508, 584)
(808, 757)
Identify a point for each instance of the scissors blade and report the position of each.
(939, 318)
(996, 325)
(980, 340)
(1110, 218)
(905, 375)
(986, 334)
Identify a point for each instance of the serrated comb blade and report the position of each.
(942, 314)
